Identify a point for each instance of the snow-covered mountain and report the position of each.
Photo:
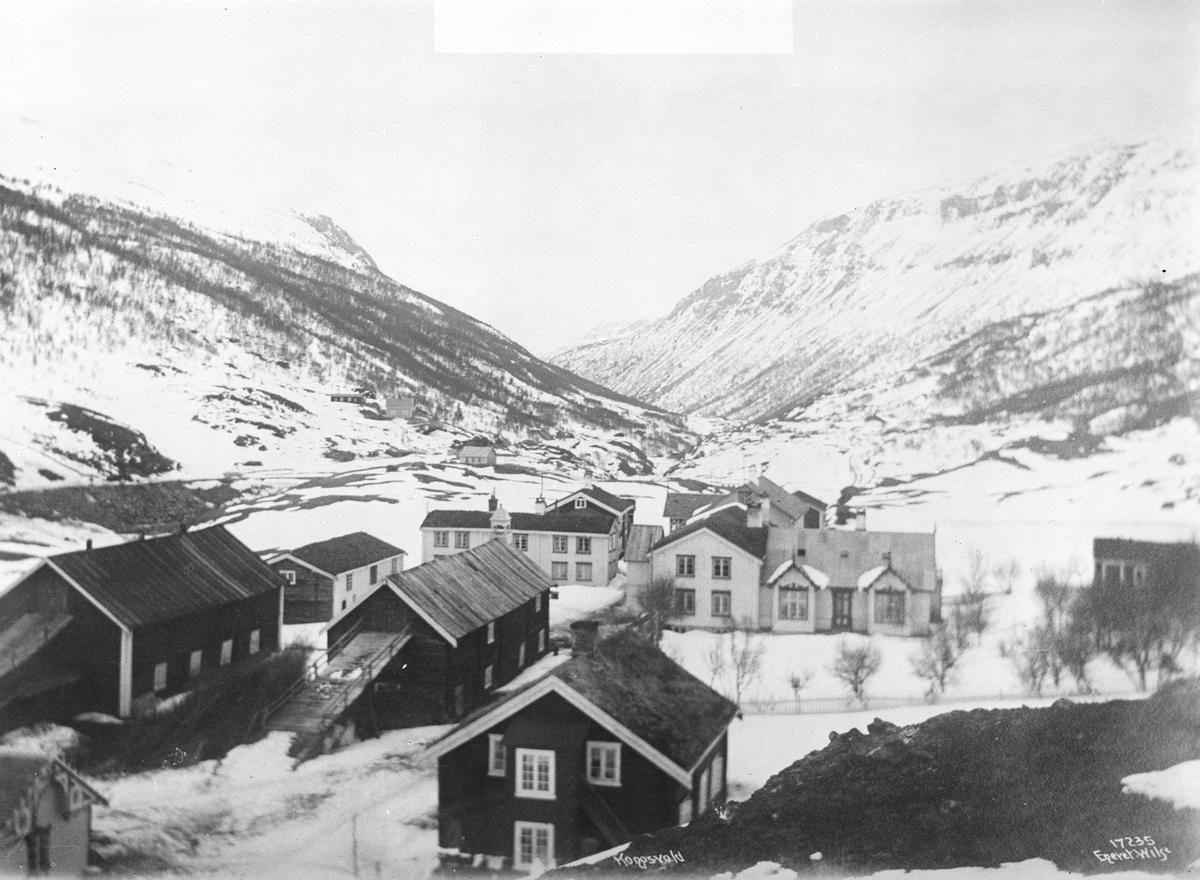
(136, 342)
(979, 276)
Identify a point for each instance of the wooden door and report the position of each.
(842, 603)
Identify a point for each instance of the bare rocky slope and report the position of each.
(1074, 249)
(983, 787)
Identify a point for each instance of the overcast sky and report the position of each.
(550, 193)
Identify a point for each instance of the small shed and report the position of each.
(45, 816)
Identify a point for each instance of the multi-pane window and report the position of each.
(226, 652)
(497, 763)
(685, 601)
(604, 763)
(559, 544)
(533, 843)
(889, 607)
(793, 603)
(255, 640)
(289, 576)
(349, 582)
(160, 676)
(722, 566)
(685, 566)
(374, 573)
(580, 503)
(487, 677)
(583, 571)
(521, 541)
(441, 539)
(535, 773)
(558, 571)
(583, 546)
(462, 540)
(195, 662)
(721, 602)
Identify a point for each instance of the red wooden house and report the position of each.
(581, 753)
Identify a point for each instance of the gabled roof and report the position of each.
(681, 505)
(19, 773)
(458, 594)
(792, 504)
(641, 539)
(845, 554)
(587, 522)
(145, 582)
(730, 525)
(631, 688)
(613, 502)
(345, 553)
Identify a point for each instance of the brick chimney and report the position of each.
(583, 636)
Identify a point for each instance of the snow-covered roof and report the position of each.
(819, 578)
(871, 575)
(778, 573)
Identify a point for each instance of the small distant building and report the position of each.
(327, 578)
(479, 453)
(581, 754)
(116, 629)
(1124, 562)
(348, 397)
(637, 554)
(45, 816)
(401, 407)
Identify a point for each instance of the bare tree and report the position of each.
(972, 616)
(936, 659)
(798, 681)
(1029, 655)
(1007, 574)
(855, 664)
(716, 660)
(739, 652)
(657, 599)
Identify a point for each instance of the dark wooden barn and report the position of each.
(477, 619)
(614, 741)
(115, 629)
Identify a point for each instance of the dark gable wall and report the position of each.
(174, 640)
(310, 599)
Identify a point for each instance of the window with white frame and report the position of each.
(793, 603)
(583, 571)
(160, 676)
(195, 663)
(558, 571)
(559, 544)
(491, 633)
(889, 607)
(255, 641)
(604, 763)
(349, 582)
(487, 677)
(441, 539)
(520, 655)
(289, 575)
(533, 844)
(583, 546)
(685, 566)
(721, 603)
(497, 760)
(373, 574)
(462, 540)
(541, 640)
(226, 652)
(535, 773)
(721, 566)
(580, 503)
(537, 603)
(685, 602)
(521, 541)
